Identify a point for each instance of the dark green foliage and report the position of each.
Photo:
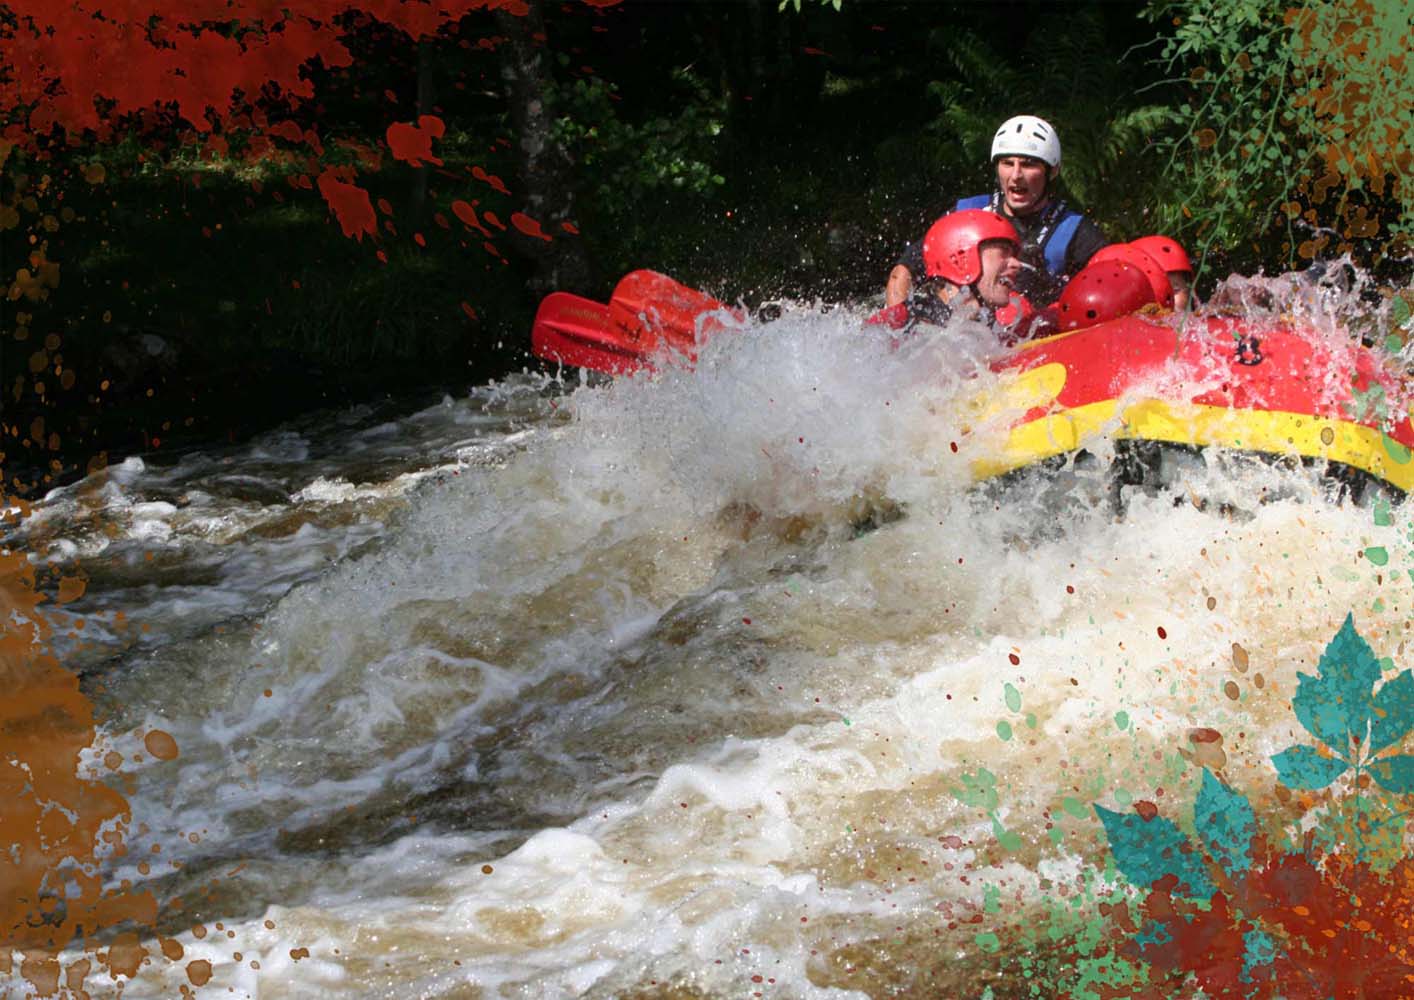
(1293, 135)
(1068, 70)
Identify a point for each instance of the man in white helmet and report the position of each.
(1056, 240)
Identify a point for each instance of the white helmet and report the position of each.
(1027, 135)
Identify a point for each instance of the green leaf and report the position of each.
(1393, 712)
(1306, 767)
(1336, 704)
(1147, 851)
(1227, 824)
(1395, 773)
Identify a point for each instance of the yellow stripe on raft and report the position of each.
(1271, 431)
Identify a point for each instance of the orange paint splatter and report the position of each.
(199, 972)
(160, 745)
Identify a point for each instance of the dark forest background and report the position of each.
(745, 147)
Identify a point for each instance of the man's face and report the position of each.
(1000, 266)
(1023, 183)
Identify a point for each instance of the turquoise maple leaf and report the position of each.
(1340, 707)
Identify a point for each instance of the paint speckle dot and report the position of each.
(487, 869)
(1015, 660)
(1232, 690)
(199, 972)
(1327, 436)
(1162, 634)
(160, 745)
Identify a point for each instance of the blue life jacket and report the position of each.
(1058, 225)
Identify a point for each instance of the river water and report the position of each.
(722, 683)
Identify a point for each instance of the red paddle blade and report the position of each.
(580, 332)
(665, 309)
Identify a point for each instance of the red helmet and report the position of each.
(951, 248)
(1103, 291)
(1130, 254)
(1169, 253)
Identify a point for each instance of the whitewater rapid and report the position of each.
(709, 683)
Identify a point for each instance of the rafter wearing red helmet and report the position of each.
(1056, 240)
(972, 261)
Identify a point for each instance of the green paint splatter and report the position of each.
(991, 899)
(989, 943)
(1123, 797)
(1005, 837)
(1075, 807)
(1377, 555)
(1013, 698)
(1122, 720)
(1004, 729)
(1030, 720)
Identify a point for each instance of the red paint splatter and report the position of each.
(470, 312)
(1162, 633)
(1015, 660)
(491, 218)
(350, 205)
(491, 179)
(413, 143)
(528, 226)
(467, 214)
(570, 228)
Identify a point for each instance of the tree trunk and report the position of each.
(544, 167)
(426, 97)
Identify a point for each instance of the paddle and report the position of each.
(666, 309)
(575, 331)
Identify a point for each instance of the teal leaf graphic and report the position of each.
(1148, 850)
(1336, 704)
(1394, 712)
(1226, 823)
(1395, 773)
(1306, 767)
